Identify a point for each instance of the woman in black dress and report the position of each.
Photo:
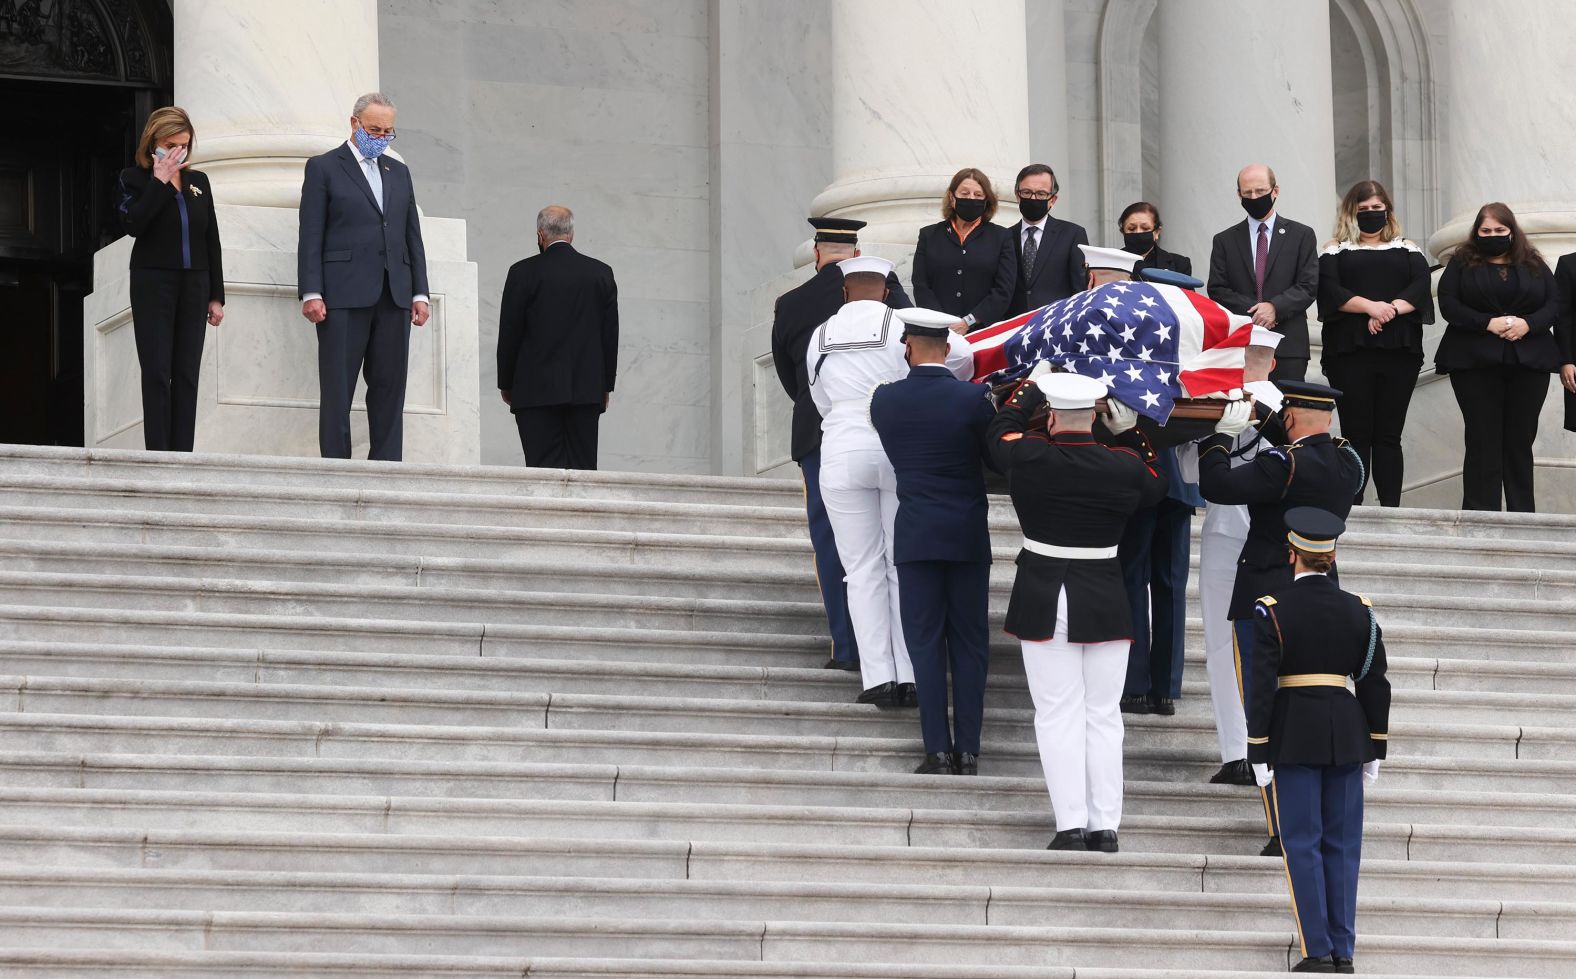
(1140, 226)
(1500, 305)
(964, 265)
(177, 275)
(1373, 301)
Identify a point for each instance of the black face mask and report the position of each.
(968, 209)
(1258, 208)
(1138, 242)
(1494, 245)
(1033, 210)
(1372, 222)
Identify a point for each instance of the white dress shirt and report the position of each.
(1253, 233)
(374, 178)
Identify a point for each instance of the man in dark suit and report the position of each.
(558, 346)
(362, 276)
(794, 320)
(1268, 268)
(1050, 266)
(932, 427)
(1565, 333)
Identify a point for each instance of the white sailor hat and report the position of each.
(1070, 392)
(1114, 259)
(925, 322)
(1264, 338)
(866, 263)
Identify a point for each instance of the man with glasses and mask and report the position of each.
(362, 276)
(1268, 268)
(1050, 266)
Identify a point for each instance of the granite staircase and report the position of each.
(294, 717)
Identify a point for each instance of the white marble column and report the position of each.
(1240, 84)
(921, 89)
(269, 85)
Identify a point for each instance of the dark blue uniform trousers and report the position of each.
(944, 605)
(369, 340)
(828, 566)
(1154, 554)
(1242, 640)
(1321, 820)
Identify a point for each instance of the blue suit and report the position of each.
(932, 426)
(1155, 553)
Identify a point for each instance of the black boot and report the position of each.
(964, 763)
(936, 765)
(1161, 705)
(1138, 704)
(1316, 963)
(882, 695)
(907, 695)
(1237, 772)
(1343, 965)
(1068, 839)
(1103, 840)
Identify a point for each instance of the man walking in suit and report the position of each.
(558, 346)
(362, 276)
(1050, 266)
(932, 426)
(1268, 268)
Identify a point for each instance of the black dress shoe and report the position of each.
(1135, 705)
(935, 765)
(907, 695)
(837, 664)
(1068, 839)
(964, 763)
(1161, 705)
(1237, 772)
(882, 695)
(1343, 966)
(1103, 840)
(1316, 963)
(1272, 848)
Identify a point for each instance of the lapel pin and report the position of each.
(1280, 231)
(196, 191)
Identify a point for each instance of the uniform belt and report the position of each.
(1312, 680)
(1069, 553)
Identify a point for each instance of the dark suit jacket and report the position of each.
(149, 212)
(1058, 266)
(1466, 304)
(798, 313)
(558, 330)
(932, 426)
(1565, 333)
(1162, 259)
(972, 277)
(1291, 278)
(347, 246)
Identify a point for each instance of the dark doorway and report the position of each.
(79, 78)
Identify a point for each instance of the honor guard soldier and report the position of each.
(1073, 496)
(858, 348)
(932, 426)
(798, 312)
(1318, 725)
(1313, 469)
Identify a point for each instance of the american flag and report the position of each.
(1149, 343)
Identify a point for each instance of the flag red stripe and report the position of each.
(1217, 324)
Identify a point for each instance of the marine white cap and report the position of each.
(918, 316)
(1070, 392)
(867, 263)
(1114, 259)
(1264, 338)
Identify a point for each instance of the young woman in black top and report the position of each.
(1140, 227)
(965, 265)
(1373, 301)
(177, 275)
(1500, 305)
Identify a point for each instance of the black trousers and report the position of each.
(371, 338)
(559, 436)
(1376, 389)
(1289, 369)
(1155, 555)
(169, 317)
(1499, 409)
(945, 612)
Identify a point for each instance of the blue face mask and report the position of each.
(371, 146)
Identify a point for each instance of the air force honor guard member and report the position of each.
(1073, 496)
(794, 319)
(857, 349)
(932, 426)
(1314, 739)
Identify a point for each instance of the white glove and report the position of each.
(1263, 775)
(1370, 772)
(1040, 370)
(1235, 394)
(1119, 418)
(1235, 419)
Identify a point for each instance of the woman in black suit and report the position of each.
(964, 265)
(1500, 305)
(1140, 226)
(177, 276)
(1565, 276)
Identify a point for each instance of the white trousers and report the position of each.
(1217, 573)
(860, 493)
(1077, 690)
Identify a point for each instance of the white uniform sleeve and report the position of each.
(818, 393)
(960, 357)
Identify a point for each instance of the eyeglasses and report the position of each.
(377, 132)
(1035, 195)
(1253, 195)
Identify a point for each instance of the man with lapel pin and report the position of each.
(1050, 266)
(362, 276)
(1268, 268)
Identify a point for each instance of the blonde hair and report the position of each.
(171, 120)
(1346, 214)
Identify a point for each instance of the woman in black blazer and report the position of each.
(177, 275)
(1140, 227)
(1565, 276)
(964, 265)
(1500, 305)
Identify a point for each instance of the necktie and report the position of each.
(1030, 250)
(1261, 254)
(376, 181)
